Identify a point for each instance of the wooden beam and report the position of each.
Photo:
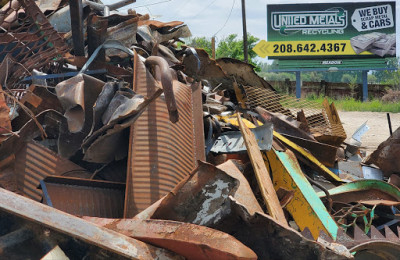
(262, 175)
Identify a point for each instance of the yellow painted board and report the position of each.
(305, 207)
(306, 48)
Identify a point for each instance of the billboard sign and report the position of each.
(330, 30)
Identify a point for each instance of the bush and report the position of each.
(392, 96)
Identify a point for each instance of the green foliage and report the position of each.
(312, 76)
(347, 78)
(372, 79)
(201, 43)
(229, 47)
(389, 77)
(350, 104)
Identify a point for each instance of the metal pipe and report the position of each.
(167, 84)
(110, 7)
(390, 124)
(76, 12)
(246, 59)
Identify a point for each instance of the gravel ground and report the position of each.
(377, 122)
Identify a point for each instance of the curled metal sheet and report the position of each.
(379, 250)
(363, 190)
(188, 240)
(77, 96)
(386, 155)
(109, 142)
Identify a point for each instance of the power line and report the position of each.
(205, 8)
(181, 7)
(152, 4)
(227, 19)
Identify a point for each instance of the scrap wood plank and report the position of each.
(262, 175)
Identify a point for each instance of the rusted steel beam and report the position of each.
(35, 213)
(78, 38)
(262, 175)
(188, 240)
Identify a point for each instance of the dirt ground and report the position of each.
(377, 122)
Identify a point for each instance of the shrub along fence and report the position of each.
(330, 89)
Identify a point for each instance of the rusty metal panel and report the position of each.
(185, 239)
(30, 39)
(34, 162)
(161, 153)
(84, 197)
(323, 152)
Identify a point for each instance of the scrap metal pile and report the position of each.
(116, 143)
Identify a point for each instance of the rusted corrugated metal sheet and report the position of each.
(84, 197)
(34, 162)
(161, 153)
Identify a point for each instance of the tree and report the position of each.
(228, 47)
(201, 43)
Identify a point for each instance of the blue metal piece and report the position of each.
(298, 84)
(45, 193)
(63, 75)
(365, 85)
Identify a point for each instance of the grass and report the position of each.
(350, 104)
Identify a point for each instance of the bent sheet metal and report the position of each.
(305, 207)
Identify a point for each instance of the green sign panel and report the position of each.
(330, 30)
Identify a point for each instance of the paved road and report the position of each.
(377, 121)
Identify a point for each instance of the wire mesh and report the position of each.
(315, 113)
(27, 40)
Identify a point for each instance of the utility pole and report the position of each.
(246, 59)
(213, 47)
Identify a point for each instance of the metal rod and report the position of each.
(365, 85)
(120, 4)
(246, 59)
(298, 84)
(390, 124)
(76, 12)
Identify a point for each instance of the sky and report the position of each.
(221, 17)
